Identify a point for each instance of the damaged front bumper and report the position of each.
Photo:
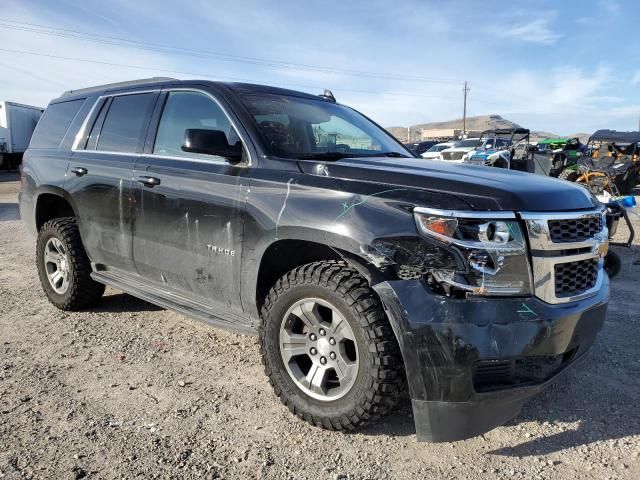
(471, 364)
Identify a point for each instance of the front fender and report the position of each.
(358, 220)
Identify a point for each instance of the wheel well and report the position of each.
(285, 255)
(50, 206)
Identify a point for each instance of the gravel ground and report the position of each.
(130, 390)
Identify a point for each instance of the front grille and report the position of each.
(574, 278)
(452, 155)
(574, 229)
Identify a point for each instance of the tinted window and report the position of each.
(124, 121)
(301, 127)
(54, 124)
(184, 110)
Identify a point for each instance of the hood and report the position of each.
(459, 149)
(481, 187)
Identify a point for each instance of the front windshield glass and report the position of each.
(469, 143)
(297, 127)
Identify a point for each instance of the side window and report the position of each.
(54, 123)
(184, 110)
(124, 121)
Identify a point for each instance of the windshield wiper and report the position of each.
(393, 154)
(326, 156)
(339, 155)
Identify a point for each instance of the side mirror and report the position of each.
(211, 142)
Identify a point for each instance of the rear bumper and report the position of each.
(443, 342)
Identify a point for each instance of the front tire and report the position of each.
(612, 263)
(339, 384)
(63, 266)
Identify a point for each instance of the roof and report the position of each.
(507, 131)
(553, 140)
(240, 88)
(616, 136)
(109, 86)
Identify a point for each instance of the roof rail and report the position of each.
(110, 86)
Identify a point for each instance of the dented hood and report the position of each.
(483, 188)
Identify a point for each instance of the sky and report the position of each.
(561, 67)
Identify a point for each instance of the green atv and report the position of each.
(564, 154)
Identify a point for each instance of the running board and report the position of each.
(171, 301)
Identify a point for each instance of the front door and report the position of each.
(189, 207)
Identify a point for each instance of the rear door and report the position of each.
(99, 176)
(189, 207)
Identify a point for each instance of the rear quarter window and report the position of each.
(54, 123)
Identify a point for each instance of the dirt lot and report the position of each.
(130, 390)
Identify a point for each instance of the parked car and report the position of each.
(499, 146)
(434, 152)
(611, 163)
(361, 268)
(420, 147)
(17, 122)
(563, 153)
(457, 152)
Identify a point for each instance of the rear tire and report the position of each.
(63, 266)
(568, 175)
(341, 292)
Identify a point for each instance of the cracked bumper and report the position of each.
(444, 340)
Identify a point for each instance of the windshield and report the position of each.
(297, 127)
(469, 143)
(438, 148)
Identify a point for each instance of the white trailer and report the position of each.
(17, 123)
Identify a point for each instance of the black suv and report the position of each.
(362, 268)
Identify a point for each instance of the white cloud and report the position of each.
(537, 30)
(635, 80)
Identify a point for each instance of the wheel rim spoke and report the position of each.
(49, 256)
(293, 344)
(56, 277)
(308, 313)
(340, 327)
(316, 379)
(346, 370)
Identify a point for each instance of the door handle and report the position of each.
(149, 181)
(79, 171)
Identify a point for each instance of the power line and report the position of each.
(204, 75)
(165, 48)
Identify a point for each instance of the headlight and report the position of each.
(491, 245)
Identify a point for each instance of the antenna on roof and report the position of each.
(327, 95)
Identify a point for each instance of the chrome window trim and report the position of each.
(82, 132)
(489, 215)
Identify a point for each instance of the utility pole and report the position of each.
(465, 90)
(408, 134)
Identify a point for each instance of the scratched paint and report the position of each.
(284, 205)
